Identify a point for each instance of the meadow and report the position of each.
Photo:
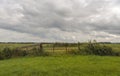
(60, 63)
(49, 47)
(61, 66)
(116, 47)
(12, 45)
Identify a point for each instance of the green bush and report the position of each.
(97, 49)
(1, 56)
(36, 52)
(18, 52)
(73, 52)
(6, 53)
(33, 52)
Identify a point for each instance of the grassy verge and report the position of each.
(61, 66)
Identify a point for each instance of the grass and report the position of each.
(61, 66)
(116, 47)
(49, 47)
(11, 46)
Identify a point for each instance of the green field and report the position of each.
(12, 46)
(61, 66)
(115, 47)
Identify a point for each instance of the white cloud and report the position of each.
(59, 20)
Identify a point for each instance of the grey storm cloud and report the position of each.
(60, 20)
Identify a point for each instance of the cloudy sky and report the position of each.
(59, 20)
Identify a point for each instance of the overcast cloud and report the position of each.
(59, 20)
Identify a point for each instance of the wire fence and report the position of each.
(53, 47)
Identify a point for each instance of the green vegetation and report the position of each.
(61, 66)
(94, 48)
(45, 49)
(12, 45)
(76, 59)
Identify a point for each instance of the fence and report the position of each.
(53, 47)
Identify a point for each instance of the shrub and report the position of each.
(36, 51)
(6, 53)
(1, 56)
(74, 52)
(33, 52)
(97, 49)
(18, 52)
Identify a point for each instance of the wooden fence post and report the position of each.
(41, 47)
